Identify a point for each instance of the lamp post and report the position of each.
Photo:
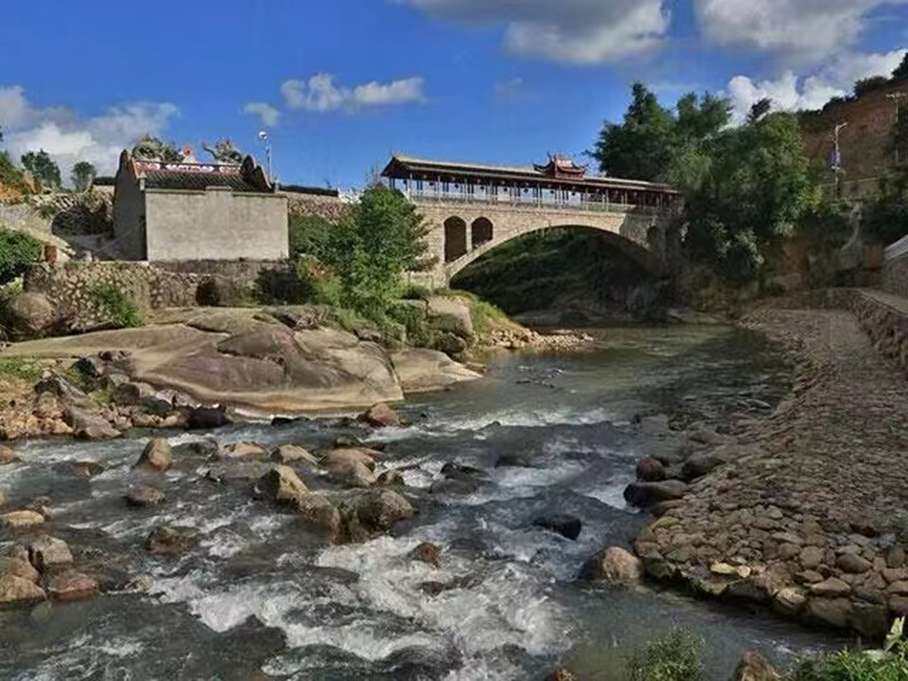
(837, 157)
(897, 97)
(266, 141)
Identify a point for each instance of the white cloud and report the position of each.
(321, 93)
(69, 138)
(267, 113)
(800, 30)
(573, 31)
(789, 92)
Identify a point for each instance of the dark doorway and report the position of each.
(481, 232)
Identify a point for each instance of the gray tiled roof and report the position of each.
(173, 179)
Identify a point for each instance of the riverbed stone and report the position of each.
(20, 568)
(811, 557)
(614, 565)
(49, 554)
(20, 520)
(790, 600)
(754, 667)
(72, 586)
(853, 563)
(376, 510)
(830, 588)
(170, 541)
(566, 525)
(144, 495)
(650, 470)
(427, 552)
(319, 513)
(293, 454)
(647, 493)
(243, 450)
(156, 456)
(380, 416)
(17, 592)
(832, 611)
(282, 485)
(699, 465)
(391, 478)
(7, 455)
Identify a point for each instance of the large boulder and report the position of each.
(380, 416)
(318, 513)
(89, 425)
(156, 456)
(17, 591)
(615, 566)
(29, 315)
(72, 586)
(371, 511)
(452, 315)
(422, 370)
(648, 493)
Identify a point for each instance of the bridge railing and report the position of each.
(533, 202)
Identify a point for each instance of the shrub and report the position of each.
(416, 292)
(672, 657)
(115, 306)
(309, 235)
(17, 251)
(20, 369)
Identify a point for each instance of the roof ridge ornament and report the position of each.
(561, 165)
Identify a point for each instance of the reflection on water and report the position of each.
(551, 434)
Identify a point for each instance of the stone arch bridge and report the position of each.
(472, 209)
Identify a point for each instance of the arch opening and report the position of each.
(455, 238)
(481, 232)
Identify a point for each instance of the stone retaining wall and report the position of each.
(886, 325)
(150, 286)
(895, 268)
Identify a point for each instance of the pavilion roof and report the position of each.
(401, 163)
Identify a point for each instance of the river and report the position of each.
(258, 599)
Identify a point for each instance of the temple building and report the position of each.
(559, 182)
(198, 211)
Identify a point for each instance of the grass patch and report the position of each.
(676, 656)
(115, 306)
(20, 369)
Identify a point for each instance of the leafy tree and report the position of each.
(865, 85)
(82, 175)
(901, 71)
(369, 251)
(42, 166)
(17, 251)
(640, 147)
(309, 235)
(759, 109)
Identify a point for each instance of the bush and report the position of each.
(20, 369)
(115, 306)
(17, 251)
(673, 657)
(309, 235)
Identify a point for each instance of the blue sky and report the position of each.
(341, 84)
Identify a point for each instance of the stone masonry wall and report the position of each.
(150, 286)
(895, 268)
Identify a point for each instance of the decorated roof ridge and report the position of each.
(192, 175)
(531, 171)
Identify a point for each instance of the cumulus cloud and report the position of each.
(321, 93)
(802, 30)
(266, 113)
(572, 31)
(69, 138)
(790, 92)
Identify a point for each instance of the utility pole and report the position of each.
(266, 140)
(897, 97)
(837, 157)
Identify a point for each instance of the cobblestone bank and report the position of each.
(807, 512)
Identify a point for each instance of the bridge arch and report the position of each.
(481, 232)
(455, 238)
(646, 258)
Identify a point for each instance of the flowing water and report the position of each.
(259, 598)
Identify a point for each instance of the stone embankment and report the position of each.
(803, 511)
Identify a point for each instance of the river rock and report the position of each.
(72, 586)
(156, 456)
(754, 667)
(566, 525)
(28, 315)
(853, 564)
(614, 565)
(391, 479)
(789, 600)
(16, 591)
(243, 450)
(375, 510)
(170, 541)
(380, 416)
(317, 512)
(647, 493)
(428, 553)
(7, 455)
(421, 370)
(208, 418)
(830, 588)
(2, 498)
(832, 611)
(20, 520)
(293, 454)
(699, 465)
(88, 425)
(49, 554)
(20, 568)
(86, 469)
(451, 314)
(282, 485)
(650, 470)
(144, 495)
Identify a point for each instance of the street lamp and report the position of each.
(897, 97)
(265, 139)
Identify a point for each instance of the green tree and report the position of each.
(18, 250)
(42, 166)
(640, 147)
(901, 71)
(369, 250)
(759, 109)
(82, 175)
(309, 235)
(865, 85)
